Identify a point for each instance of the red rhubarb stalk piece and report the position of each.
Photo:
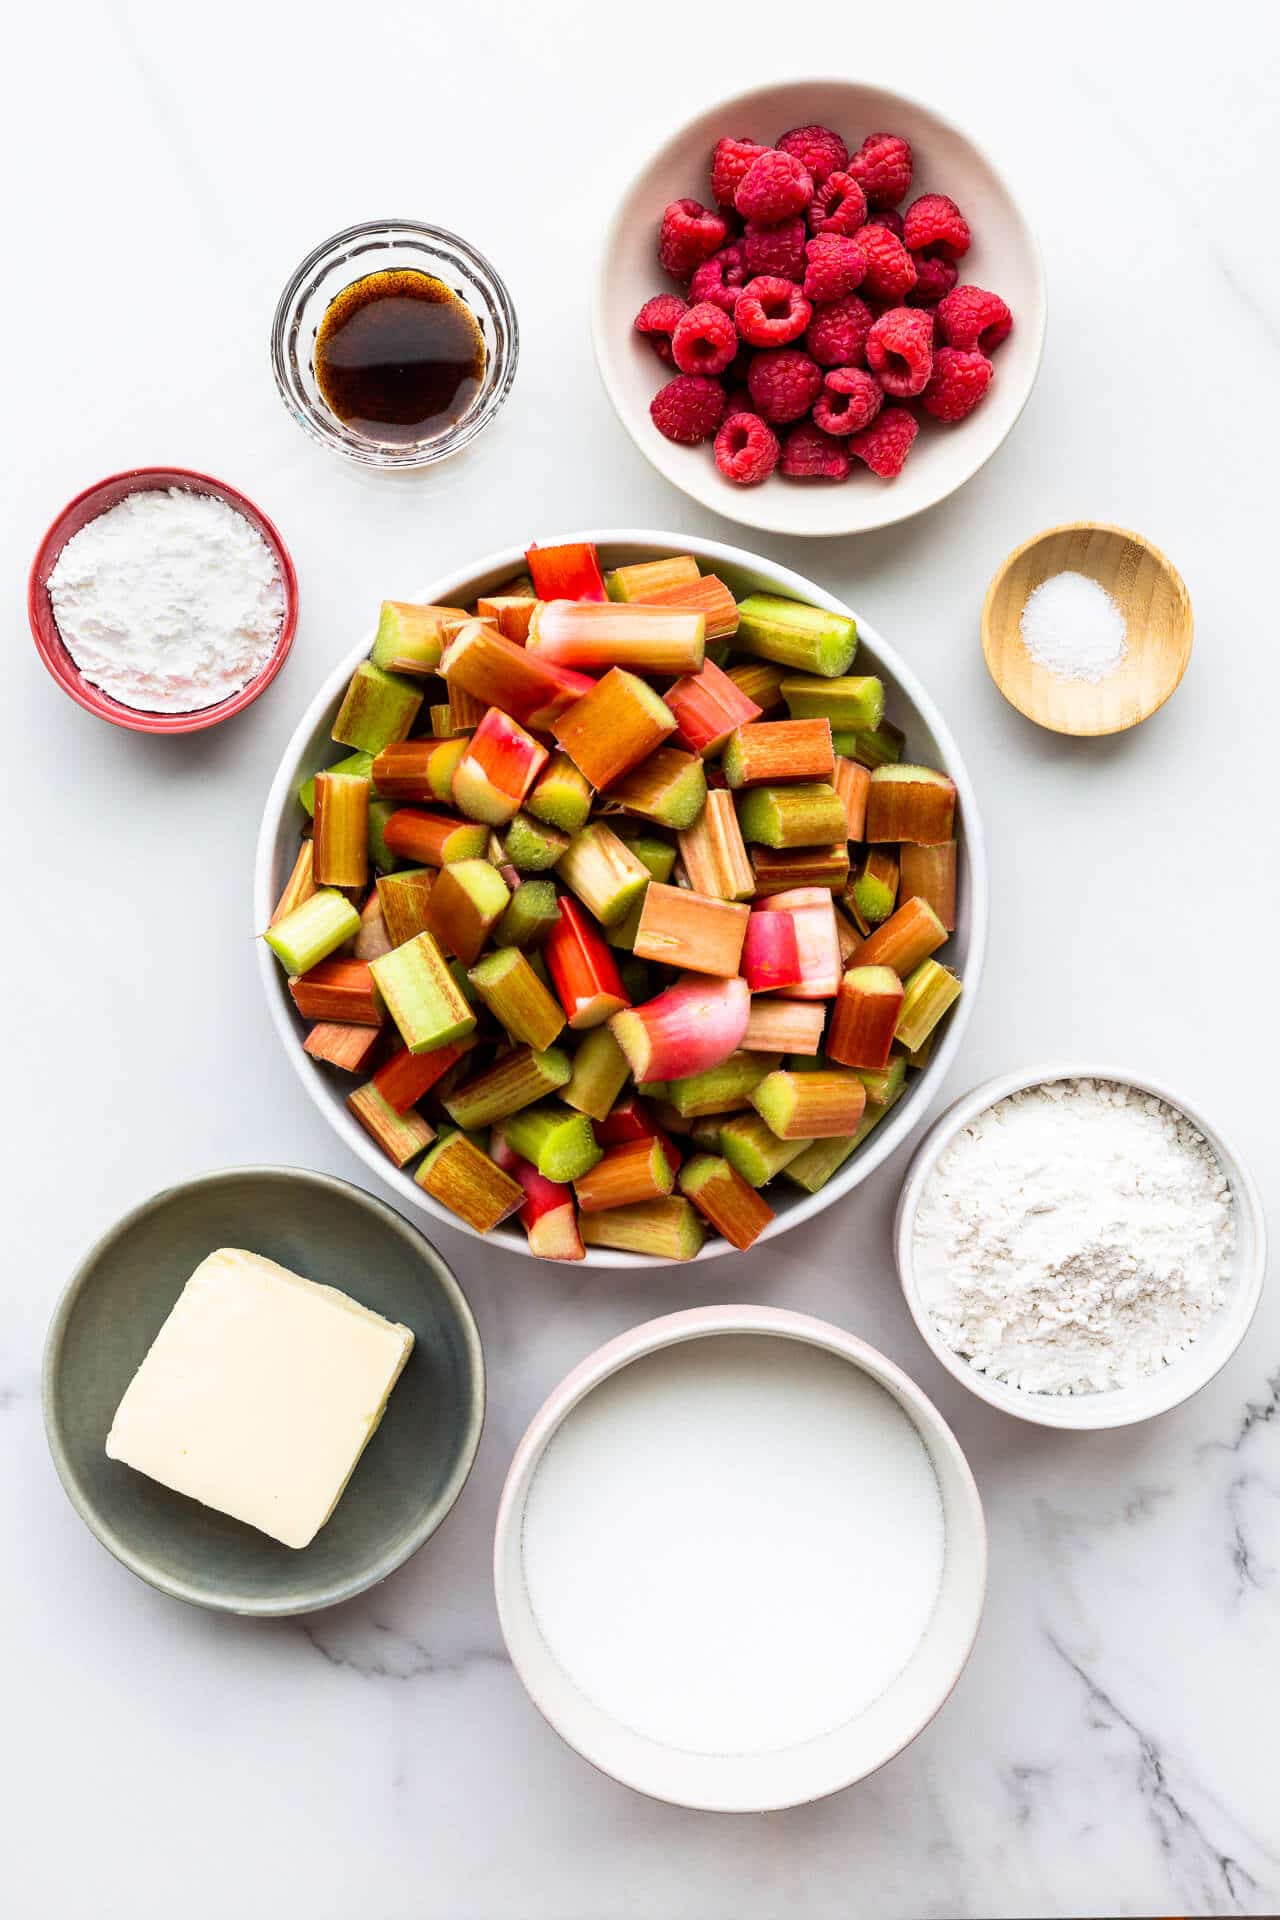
(630, 1119)
(771, 952)
(687, 1029)
(813, 916)
(583, 970)
(495, 773)
(534, 692)
(405, 1077)
(566, 573)
(708, 706)
(548, 1216)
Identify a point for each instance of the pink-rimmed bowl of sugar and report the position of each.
(99, 499)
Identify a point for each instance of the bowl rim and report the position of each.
(97, 1523)
(518, 1625)
(1092, 1412)
(754, 510)
(56, 655)
(888, 1136)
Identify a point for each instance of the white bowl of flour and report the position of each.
(1079, 1246)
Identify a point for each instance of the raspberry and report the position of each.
(974, 320)
(888, 217)
(849, 401)
(705, 339)
(889, 271)
(690, 233)
(818, 150)
(885, 444)
(837, 335)
(657, 321)
(775, 250)
(935, 225)
(784, 384)
(688, 409)
(771, 312)
(838, 206)
(835, 266)
(737, 400)
(899, 350)
(773, 188)
(746, 450)
(959, 381)
(729, 163)
(810, 454)
(934, 278)
(720, 278)
(883, 165)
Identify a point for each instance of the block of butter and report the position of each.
(259, 1393)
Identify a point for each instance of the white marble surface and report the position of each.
(1111, 1747)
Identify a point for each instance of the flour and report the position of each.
(169, 601)
(1074, 1237)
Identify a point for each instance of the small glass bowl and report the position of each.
(374, 247)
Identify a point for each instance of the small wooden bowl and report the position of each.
(1157, 611)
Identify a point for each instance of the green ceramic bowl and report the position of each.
(410, 1473)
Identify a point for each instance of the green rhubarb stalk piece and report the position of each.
(623, 936)
(884, 1085)
(814, 1167)
(795, 635)
(561, 1144)
(670, 788)
(881, 747)
(658, 855)
(380, 811)
(825, 1105)
(927, 993)
(356, 766)
(442, 766)
(651, 576)
(514, 994)
(808, 814)
(873, 890)
(403, 897)
(721, 1089)
(560, 795)
(665, 1229)
(421, 995)
(531, 845)
(852, 701)
(410, 639)
(377, 708)
(515, 1081)
(600, 1072)
(461, 1176)
(604, 873)
(308, 935)
(530, 916)
(723, 1197)
(752, 1146)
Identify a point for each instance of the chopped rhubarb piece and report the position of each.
(510, 613)
(434, 839)
(884, 1085)
(342, 830)
(720, 1089)
(341, 1045)
(514, 994)
(784, 1026)
(927, 993)
(376, 709)
(422, 996)
(809, 814)
(848, 940)
(724, 1199)
(658, 855)
(761, 682)
(596, 636)
(373, 937)
(853, 702)
(466, 902)
(604, 873)
(708, 706)
(495, 773)
(406, 1077)
(637, 1170)
(651, 576)
(909, 936)
(665, 1229)
(411, 639)
(583, 971)
(600, 1072)
(911, 804)
(877, 748)
(548, 1215)
(864, 1017)
(614, 727)
(794, 635)
(754, 1149)
(529, 918)
(570, 572)
(339, 990)
(691, 931)
(464, 1179)
(770, 750)
(824, 1105)
(714, 854)
(708, 596)
(323, 922)
(930, 873)
(560, 1144)
(688, 1028)
(444, 726)
(852, 783)
(356, 766)
(669, 788)
(530, 846)
(400, 1135)
(813, 1168)
(873, 889)
(561, 796)
(514, 1081)
(812, 914)
(631, 1119)
(495, 670)
(771, 952)
(300, 885)
(404, 899)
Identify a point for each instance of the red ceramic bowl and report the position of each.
(100, 499)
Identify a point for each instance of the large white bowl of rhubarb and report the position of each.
(623, 899)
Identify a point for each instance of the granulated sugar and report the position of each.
(1072, 627)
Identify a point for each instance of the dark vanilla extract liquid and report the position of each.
(398, 356)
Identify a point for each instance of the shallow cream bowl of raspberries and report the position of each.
(819, 309)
